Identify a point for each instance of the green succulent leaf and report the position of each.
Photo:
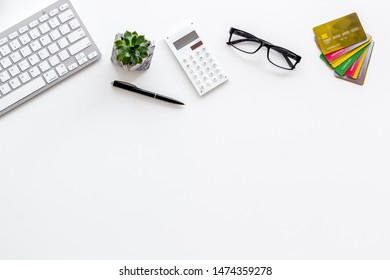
(121, 56)
(140, 39)
(119, 43)
(128, 35)
(134, 40)
(126, 60)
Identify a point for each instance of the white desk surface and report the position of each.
(271, 165)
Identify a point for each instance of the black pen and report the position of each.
(134, 88)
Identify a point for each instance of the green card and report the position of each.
(343, 68)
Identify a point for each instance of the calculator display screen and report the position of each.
(185, 40)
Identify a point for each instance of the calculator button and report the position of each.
(215, 79)
(198, 82)
(211, 74)
(205, 78)
(214, 65)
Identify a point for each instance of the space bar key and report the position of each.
(21, 93)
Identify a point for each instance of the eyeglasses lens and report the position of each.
(243, 43)
(281, 58)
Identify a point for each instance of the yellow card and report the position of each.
(360, 65)
(339, 33)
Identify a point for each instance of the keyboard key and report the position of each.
(54, 22)
(45, 40)
(5, 89)
(6, 62)
(64, 29)
(34, 33)
(25, 39)
(54, 60)
(61, 70)
(82, 61)
(35, 46)
(13, 35)
(21, 93)
(43, 54)
(50, 76)
(64, 7)
(53, 48)
(64, 55)
(72, 66)
(33, 59)
(16, 57)
(44, 28)
(24, 65)
(74, 23)
(15, 83)
(33, 23)
(76, 35)
(65, 16)
(55, 35)
(23, 29)
(44, 66)
(92, 55)
(79, 56)
(15, 44)
(4, 76)
(14, 70)
(25, 77)
(54, 12)
(5, 50)
(3, 41)
(34, 72)
(63, 43)
(25, 51)
(79, 46)
(44, 18)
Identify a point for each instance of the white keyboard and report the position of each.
(41, 51)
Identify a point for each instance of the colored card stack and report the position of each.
(345, 47)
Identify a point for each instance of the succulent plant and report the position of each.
(132, 48)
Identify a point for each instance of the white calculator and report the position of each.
(196, 59)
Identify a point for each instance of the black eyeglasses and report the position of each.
(248, 43)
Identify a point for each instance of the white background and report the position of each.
(273, 164)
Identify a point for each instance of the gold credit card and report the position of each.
(339, 33)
